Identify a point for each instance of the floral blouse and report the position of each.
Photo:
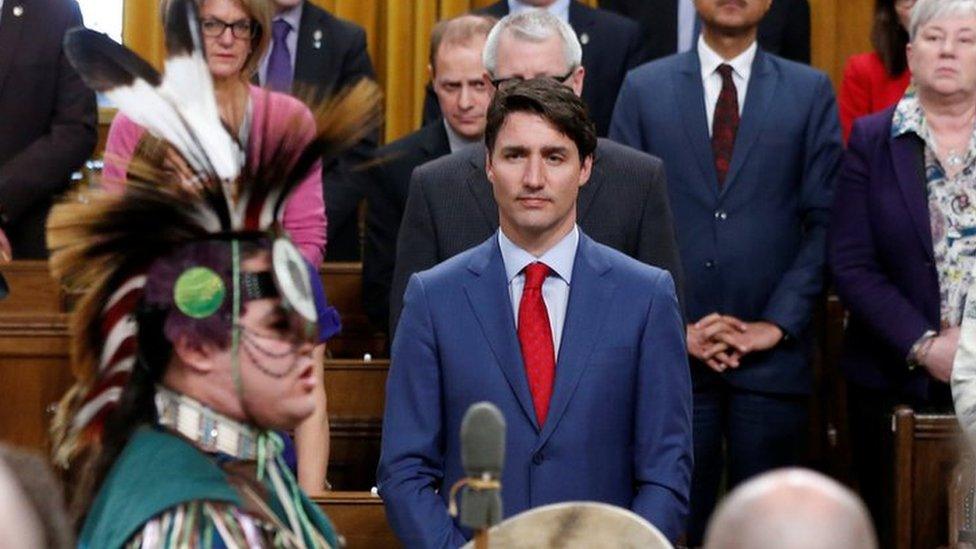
(952, 212)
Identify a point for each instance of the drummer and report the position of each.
(610, 419)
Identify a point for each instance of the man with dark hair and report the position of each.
(549, 326)
(450, 207)
(670, 26)
(463, 92)
(752, 143)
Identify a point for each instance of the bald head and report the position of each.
(791, 509)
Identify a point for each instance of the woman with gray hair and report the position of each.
(902, 241)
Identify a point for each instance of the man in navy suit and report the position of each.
(580, 346)
(751, 145)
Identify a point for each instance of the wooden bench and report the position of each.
(927, 449)
(359, 517)
(33, 291)
(35, 372)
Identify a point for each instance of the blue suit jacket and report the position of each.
(755, 248)
(882, 259)
(619, 424)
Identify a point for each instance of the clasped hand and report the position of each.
(721, 341)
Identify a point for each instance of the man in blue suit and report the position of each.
(751, 144)
(580, 346)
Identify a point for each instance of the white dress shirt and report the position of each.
(1, 10)
(457, 141)
(712, 80)
(294, 18)
(555, 289)
(559, 8)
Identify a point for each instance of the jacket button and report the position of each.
(719, 214)
(709, 264)
(538, 458)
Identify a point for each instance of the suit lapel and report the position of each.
(488, 296)
(690, 95)
(11, 29)
(760, 93)
(581, 19)
(313, 64)
(589, 304)
(589, 191)
(480, 187)
(909, 164)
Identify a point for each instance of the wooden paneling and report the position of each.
(926, 453)
(838, 29)
(358, 517)
(32, 290)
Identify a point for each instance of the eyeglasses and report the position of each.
(505, 83)
(214, 28)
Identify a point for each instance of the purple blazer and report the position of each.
(880, 255)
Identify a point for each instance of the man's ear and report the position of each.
(489, 169)
(586, 169)
(195, 356)
(430, 74)
(576, 81)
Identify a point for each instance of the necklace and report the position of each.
(954, 159)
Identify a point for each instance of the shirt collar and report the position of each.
(208, 429)
(457, 141)
(559, 258)
(559, 8)
(293, 16)
(909, 116)
(710, 60)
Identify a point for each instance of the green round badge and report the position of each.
(199, 292)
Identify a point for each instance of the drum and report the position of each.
(574, 525)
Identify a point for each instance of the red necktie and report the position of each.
(535, 337)
(725, 123)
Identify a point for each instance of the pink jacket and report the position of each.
(274, 113)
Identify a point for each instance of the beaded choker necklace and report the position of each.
(211, 431)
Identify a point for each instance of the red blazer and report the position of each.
(867, 88)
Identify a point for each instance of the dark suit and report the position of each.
(340, 60)
(753, 248)
(785, 31)
(622, 343)
(611, 47)
(48, 115)
(881, 256)
(451, 208)
(386, 197)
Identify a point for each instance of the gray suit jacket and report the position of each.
(450, 208)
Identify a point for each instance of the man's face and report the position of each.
(942, 57)
(277, 370)
(527, 60)
(535, 172)
(461, 86)
(732, 17)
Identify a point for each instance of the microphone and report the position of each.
(482, 456)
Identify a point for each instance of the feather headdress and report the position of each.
(104, 243)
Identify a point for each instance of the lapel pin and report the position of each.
(584, 39)
(317, 38)
(18, 11)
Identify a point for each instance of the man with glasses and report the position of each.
(314, 55)
(450, 207)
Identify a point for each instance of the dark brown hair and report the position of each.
(889, 38)
(549, 99)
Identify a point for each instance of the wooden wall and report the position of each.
(839, 29)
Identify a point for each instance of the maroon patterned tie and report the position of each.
(725, 123)
(535, 338)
